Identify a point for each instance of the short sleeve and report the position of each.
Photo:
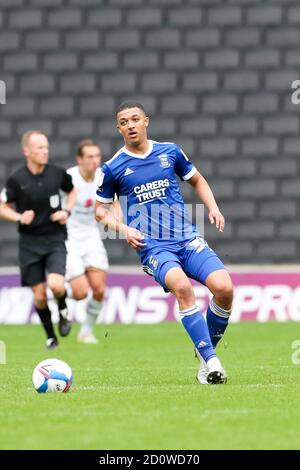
(183, 166)
(106, 185)
(66, 184)
(10, 192)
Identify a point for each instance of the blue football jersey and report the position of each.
(149, 192)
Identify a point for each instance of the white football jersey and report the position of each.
(82, 223)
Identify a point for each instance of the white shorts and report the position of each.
(85, 255)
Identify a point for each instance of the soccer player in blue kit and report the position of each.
(143, 174)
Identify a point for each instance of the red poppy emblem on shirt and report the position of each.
(88, 202)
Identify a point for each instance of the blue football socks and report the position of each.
(217, 321)
(196, 327)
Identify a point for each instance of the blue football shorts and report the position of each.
(194, 257)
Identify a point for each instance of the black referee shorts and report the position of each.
(39, 257)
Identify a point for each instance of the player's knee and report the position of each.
(40, 296)
(56, 283)
(184, 291)
(98, 293)
(80, 293)
(40, 300)
(57, 288)
(224, 292)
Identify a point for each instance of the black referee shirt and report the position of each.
(40, 193)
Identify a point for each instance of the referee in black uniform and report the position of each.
(34, 191)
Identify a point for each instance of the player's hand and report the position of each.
(60, 216)
(27, 217)
(100, 212)
(134, 238)
(217, 218)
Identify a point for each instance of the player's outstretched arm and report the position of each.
(203, 191)
(106, 216)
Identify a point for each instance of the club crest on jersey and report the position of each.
(164, 162)
(153, 261)
(54, 201)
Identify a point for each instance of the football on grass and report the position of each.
(52, 375)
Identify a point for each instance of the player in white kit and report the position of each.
(87, 262)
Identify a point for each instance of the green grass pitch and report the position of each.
(137, 390)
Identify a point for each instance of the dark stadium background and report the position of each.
(214, 75)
